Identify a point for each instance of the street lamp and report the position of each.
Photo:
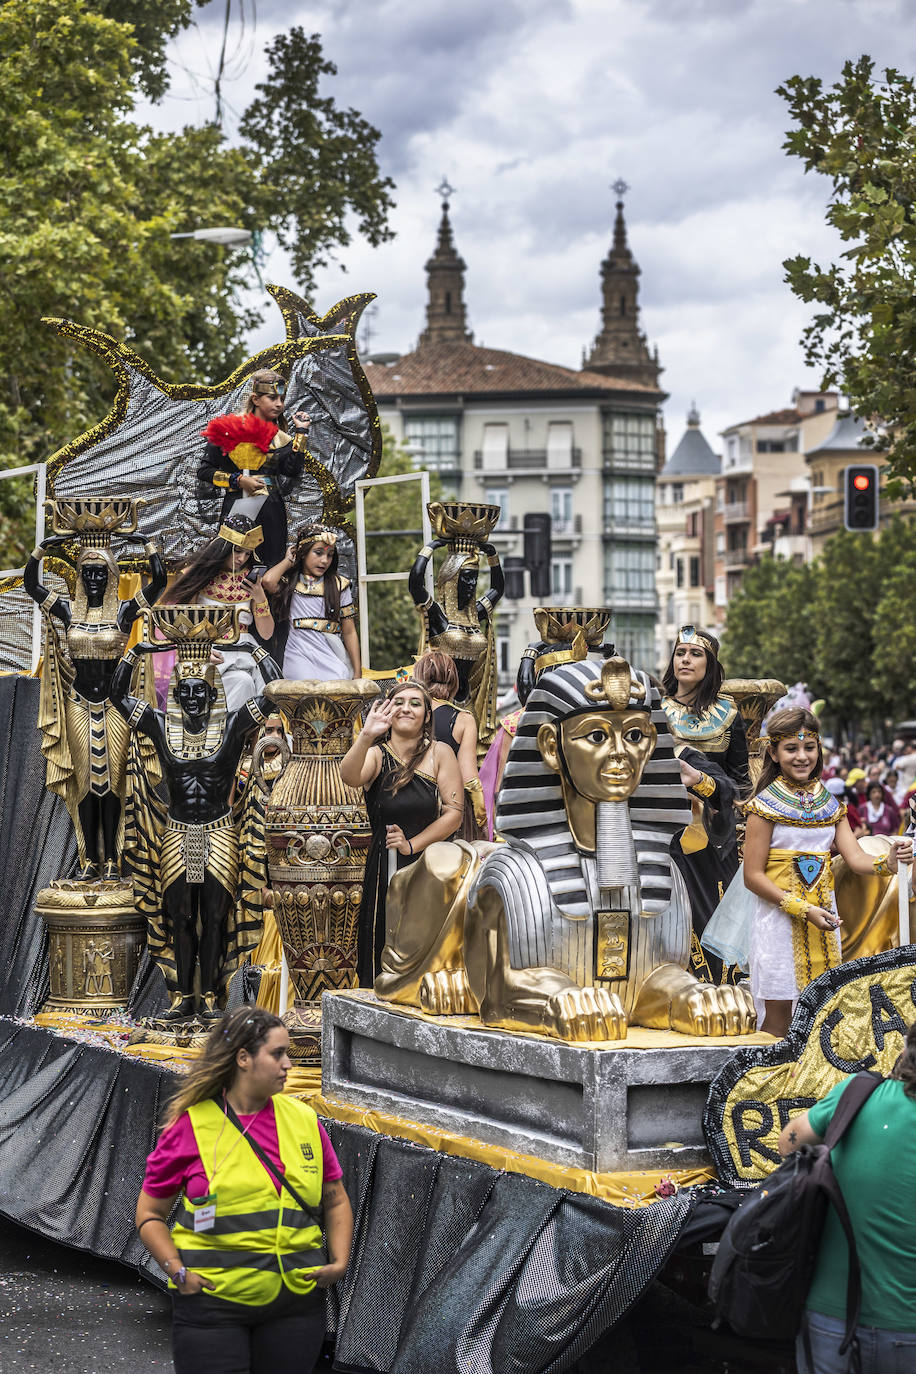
(225, 235)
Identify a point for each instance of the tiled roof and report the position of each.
(466, 369)
(847, 434)
(692, 457)
(775, 417)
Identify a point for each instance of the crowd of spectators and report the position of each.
(877, 783)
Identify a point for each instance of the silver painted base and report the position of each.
(604, 1110)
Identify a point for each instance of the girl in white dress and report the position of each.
(317, 605)
(793, 822)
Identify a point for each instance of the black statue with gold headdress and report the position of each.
(460, 623)
(84, 740)
(712, 748)
(198, 864)
(253, 463)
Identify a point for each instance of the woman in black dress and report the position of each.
(456, 727)
(413, 796)
(712, 750)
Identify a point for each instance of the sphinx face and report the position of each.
(601, 754)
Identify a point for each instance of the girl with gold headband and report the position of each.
(314, 608)
(712, 748)
(787, 930)
(84, 739)
(221, 574)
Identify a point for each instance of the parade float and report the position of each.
(533, 1100)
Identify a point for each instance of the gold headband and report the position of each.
(317, 534)
(248, 540)
(801, 734)
(689, 634)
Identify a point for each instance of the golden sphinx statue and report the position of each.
(579, 924)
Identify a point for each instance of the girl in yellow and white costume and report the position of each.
(779, 915)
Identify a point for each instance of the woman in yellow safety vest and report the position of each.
(259, 1181)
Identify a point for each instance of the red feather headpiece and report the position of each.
(228, 431)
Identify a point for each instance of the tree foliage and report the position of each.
(394, 626)
(89, 198)
(861, 135)
(843, 624)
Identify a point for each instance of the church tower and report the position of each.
(446, 314)
(621, 349)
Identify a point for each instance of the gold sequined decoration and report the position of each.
(813, 950)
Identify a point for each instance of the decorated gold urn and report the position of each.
(95, 939)
(318, 835)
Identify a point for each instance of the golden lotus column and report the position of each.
(318, 836)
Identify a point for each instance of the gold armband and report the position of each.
(261, 608)
(881, 867)
(131, 657)
(133, 719)
(151, 547)
(299, 439)
(705, 787)
(221, 479)
(38, 552)
(794, 906)
(259, 655)
(486, 604)
(426, 551)
(492, 560)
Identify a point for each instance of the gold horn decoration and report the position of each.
(195, 629)
(463, 523)
(561, 624)
(93, 519)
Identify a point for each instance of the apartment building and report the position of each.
(685, 514)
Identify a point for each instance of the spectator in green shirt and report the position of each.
(875, 1166)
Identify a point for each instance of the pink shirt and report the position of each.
(175, 1164)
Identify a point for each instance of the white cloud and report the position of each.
(532, 107)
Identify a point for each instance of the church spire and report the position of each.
(446, 314)
(620, 348)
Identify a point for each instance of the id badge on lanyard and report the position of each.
(204, 1209)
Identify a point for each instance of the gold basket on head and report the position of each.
(561, 624)
(464, 523)
(93, 519)
(195, 629)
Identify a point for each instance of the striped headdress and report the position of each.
(530, 810)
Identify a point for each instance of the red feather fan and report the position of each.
(226, 431)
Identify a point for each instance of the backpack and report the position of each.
(766, 1257)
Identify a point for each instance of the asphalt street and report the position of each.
(66, 1312)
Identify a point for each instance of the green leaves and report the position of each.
(860, 133)
(89, 198)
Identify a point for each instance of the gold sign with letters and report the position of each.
(851, 1018)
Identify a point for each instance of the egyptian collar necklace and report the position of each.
(781, 803)
(699, 726)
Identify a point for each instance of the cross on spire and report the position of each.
(445, 192)
(620, 188)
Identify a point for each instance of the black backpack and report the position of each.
(766, 1257)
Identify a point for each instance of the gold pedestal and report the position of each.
(95, 938)
(317, 834)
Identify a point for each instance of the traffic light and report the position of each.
(537, 552)
(860, 506)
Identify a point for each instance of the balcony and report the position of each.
(622, 600)
(738, 558)
(567, 529)
(735, 511)
(522, 460)
(628, 462)
(631, 528)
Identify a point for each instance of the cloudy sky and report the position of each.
(532, 108)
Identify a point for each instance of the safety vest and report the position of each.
(260, 1241)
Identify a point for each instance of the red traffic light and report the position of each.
(861, 482)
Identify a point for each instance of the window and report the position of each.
(634, 638)
(629, 501)
(561, 509)
(669, 607)
(630, 568)
(680, 572)
(502, 653)
(432, 441)
(677, 493)
(499, 496)
(496, 447)
(561, 577)
(694, 572)
(559, 444)
(720, 543)
(629, 441)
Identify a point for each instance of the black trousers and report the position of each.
(213, 1336)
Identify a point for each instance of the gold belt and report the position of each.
(328, 627)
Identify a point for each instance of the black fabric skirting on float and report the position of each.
(455, 1266)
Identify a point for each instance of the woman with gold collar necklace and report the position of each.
(84, 740)
(712, 747)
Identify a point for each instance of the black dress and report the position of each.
(715, 743)
(413, 807)
(444, 717)
(217, 475)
